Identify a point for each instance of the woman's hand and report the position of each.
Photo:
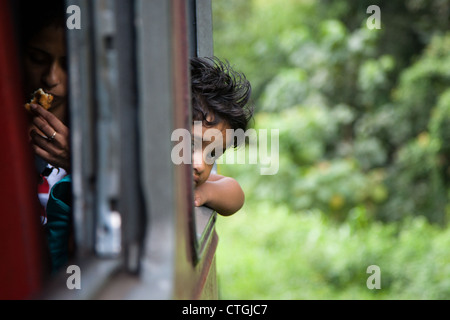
(50, 138)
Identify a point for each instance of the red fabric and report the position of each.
(21, 240)
(44, 186)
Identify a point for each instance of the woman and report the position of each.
(44, 66)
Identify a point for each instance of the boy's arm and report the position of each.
(222, 194)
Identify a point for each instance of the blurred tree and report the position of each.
(363, 114)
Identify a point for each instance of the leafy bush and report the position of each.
(364, 149)
(341, 100)
(267, 253)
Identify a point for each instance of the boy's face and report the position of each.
(208, 144)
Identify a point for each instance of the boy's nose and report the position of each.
(198, 163)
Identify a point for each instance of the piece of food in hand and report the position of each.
(42, 98)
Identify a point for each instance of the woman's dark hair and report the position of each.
(37, 15)
(219, 94)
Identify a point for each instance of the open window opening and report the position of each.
(201, 45)
(42, 56)
(128, 207)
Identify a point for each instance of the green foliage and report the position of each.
(342, 97)
(419, 175)
(364, 142)
(267, 253)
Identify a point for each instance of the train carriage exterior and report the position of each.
(137, 233)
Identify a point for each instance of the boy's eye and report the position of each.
(212, 154)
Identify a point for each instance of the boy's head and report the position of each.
(219, 94)
(220, 97)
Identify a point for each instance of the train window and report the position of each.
(135, 225)
(163, 50)
(201, 45)
(107, 207)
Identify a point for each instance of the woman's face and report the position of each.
(45, 67)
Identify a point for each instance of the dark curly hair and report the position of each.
(219, 94)
(37, 15)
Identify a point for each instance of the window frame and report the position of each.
(157, 220)
(201, 45)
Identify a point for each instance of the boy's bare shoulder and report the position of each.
(215, 177)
